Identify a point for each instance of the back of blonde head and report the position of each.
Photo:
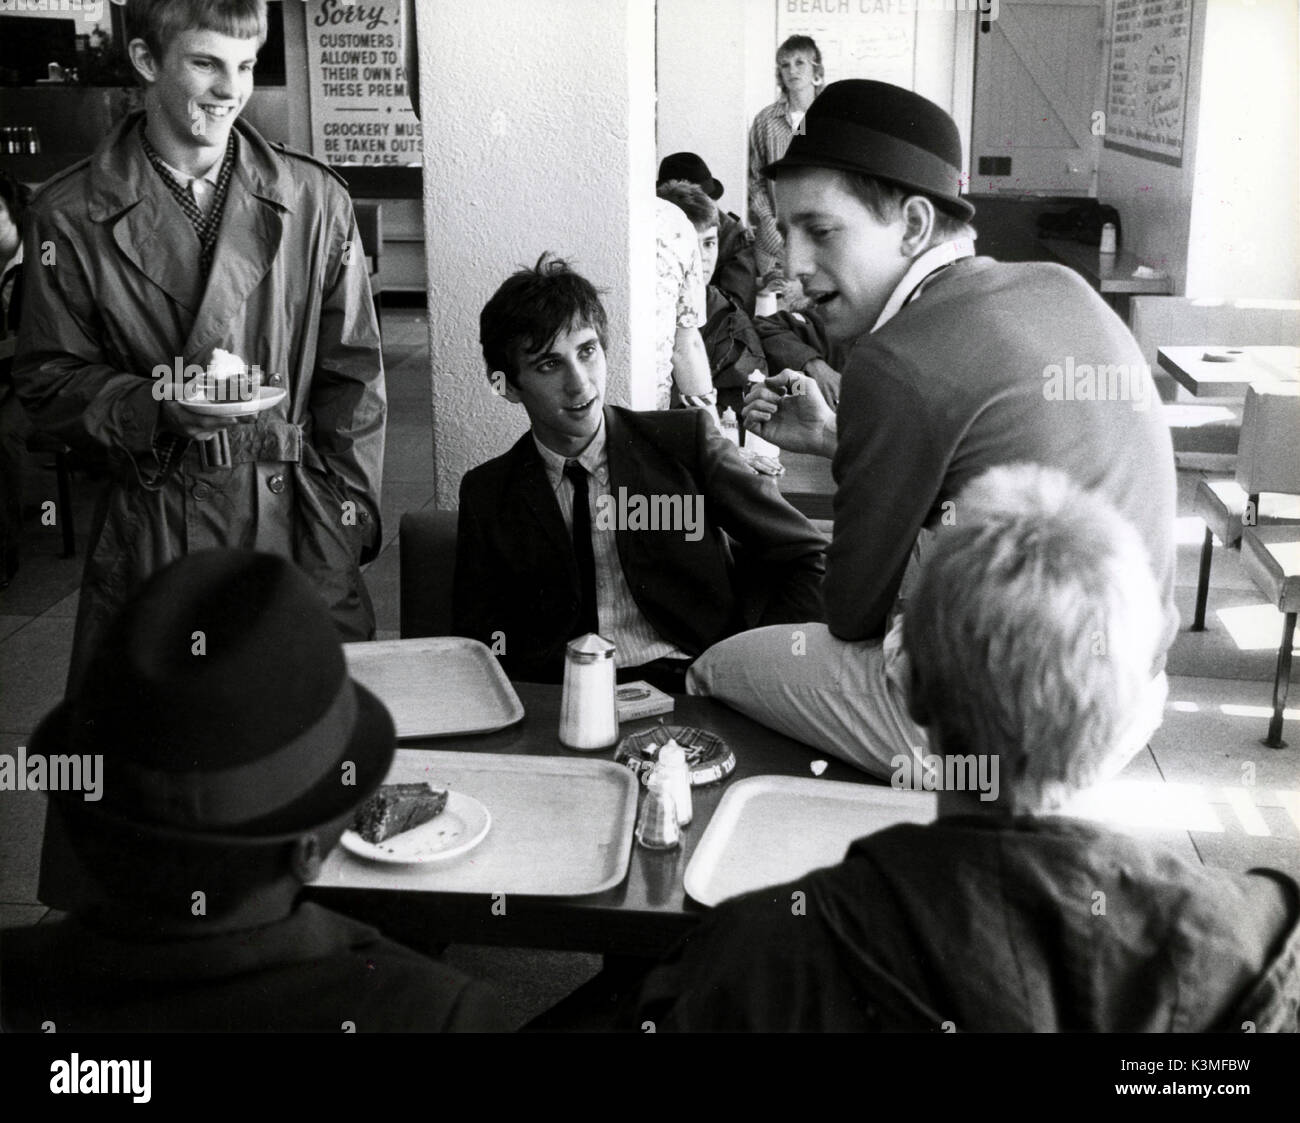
(1032, 632)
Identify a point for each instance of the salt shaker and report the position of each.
(588, 708)
(657, 827)
(1108, 238)
(672, 760)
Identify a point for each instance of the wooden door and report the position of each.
(1038, 70)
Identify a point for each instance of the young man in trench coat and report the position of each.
(186, 232)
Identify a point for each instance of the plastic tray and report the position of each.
(436, 686)
(561, 826)
(772, 829)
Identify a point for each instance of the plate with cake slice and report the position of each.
(416, 823)
(262, 398)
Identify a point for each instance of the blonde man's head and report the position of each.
(1032, 634)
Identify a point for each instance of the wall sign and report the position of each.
(360, 113)
(1146, 94)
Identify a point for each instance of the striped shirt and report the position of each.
(621, 621)
(769, 137)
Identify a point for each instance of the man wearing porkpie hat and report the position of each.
(737, 271)
(234, 749)
(954, 366)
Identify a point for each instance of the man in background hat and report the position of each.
(230, 751)
(736, 270)
(954, 367)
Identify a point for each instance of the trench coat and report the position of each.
(115, 297)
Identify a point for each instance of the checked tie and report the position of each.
(582, 549)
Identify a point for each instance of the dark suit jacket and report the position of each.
(308, 973)
(736, 272)
(757, 562)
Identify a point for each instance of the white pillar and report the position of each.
(538, 123)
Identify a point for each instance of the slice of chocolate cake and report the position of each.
(395, 808)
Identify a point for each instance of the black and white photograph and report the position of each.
(602, 518)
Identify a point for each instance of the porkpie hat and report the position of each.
(876, 129)
(221, 704)
(693, 169)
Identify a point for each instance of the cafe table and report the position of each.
(1229, 370)
(1114, 275)
(807, 484)
(643, 915)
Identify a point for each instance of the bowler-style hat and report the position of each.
(876, 129)
(690, 167)
(221, 704)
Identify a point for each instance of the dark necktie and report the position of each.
(582, 549)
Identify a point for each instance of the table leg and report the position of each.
(1203, 582)
(1281, 682)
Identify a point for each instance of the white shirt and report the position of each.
(909, 288)
(202, 188)
(620, 620)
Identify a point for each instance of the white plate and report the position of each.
(463, 824)
(267, 396)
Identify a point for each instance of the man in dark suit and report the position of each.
(645, 527)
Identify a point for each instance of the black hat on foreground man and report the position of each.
(233, 749)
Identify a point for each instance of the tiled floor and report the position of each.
(1206, 785)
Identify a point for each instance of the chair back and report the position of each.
(427, 547)
(1268, 456)
(370, 226)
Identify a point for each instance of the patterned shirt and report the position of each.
(193, 198)
(679, 290)
(202, 188)
(621, 621)
(769, 137)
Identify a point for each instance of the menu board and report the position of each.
(869, 39)
(1146, 95)
(360, 111)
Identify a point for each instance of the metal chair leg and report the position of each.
(1203, 582)
(1281, 681)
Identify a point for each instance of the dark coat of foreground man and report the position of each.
(1028, 644)
(987, 925)
(228, 774)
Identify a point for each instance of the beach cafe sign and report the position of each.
(360, 111)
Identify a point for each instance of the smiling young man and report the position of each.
(186, 232)
(646, 528)
(946, 376)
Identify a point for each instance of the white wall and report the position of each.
(1226, 223)
(1244, 237)
(700, 109)
(1154, 199)
(538, 125)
